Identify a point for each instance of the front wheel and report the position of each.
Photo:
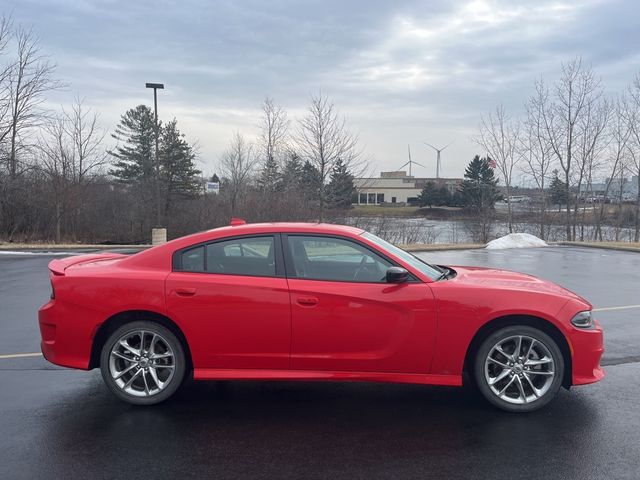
(519, 368)
(143, 363)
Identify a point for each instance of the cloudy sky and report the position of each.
(401, 72)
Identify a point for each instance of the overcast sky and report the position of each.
(401, 72)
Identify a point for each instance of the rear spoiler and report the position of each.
(58, 267)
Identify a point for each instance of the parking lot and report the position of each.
(62, 423)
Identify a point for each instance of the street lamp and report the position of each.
(155, 87)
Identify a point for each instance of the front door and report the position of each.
(345, 317)
(232, 302)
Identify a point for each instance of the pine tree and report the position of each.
(428, 195)
(558, 190)
(269, 180)
(291, 175)
(310, 182)
(178, 173)
(135, 153)
(340, 190)
(479, 187)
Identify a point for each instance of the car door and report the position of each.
(345, 317)
(231, 299)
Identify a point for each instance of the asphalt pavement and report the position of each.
(59, 423)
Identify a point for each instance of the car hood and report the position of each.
(508, 280)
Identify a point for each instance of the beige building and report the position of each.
(396, 187)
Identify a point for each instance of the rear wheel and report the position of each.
(143, 363)
(519, 368)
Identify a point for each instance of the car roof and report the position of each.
(157, 256)
(284, 227)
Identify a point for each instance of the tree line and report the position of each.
(569, 137)
(64, 178)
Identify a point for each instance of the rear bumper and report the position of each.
(64, 342)
(587, 347)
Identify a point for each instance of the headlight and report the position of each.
(583, 320)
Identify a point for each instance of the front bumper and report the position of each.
(587, 347)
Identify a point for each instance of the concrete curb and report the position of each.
(602, 246)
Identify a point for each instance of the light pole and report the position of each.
(155, 87)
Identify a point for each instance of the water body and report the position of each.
(407, 230)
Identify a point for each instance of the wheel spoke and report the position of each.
(162, 366)
(533, 342)
(123, 357)
(156, 380)
(141, 342)
(540, 372)
(535, 390)
(505, 387)
(152, 347)
(493, 360)
(158, 356)
(502, 375)
(128, 369)
(502, 352)
(541, 361)
(144, 379)
(130, 381)
(126, 346)
(521, 389)
(516, 352)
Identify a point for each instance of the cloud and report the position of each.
(401, 71)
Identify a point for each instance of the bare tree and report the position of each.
(5, 72)
(30, 76)
(274, 130)
(574, 97)
(237, 165)
(499, 136)
(323, 139)
(70, 152)
(619, 133)
(536, 148)
(633, 121)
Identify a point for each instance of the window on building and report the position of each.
(380, 198)
(372, 199)
(363, 198)
(393, 199)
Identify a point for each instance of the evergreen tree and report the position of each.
(443, 197)
(558, 190)
(178, 173)
(269, 180)
(310, 181)
(134, 155)
(291, 175)
(340, 190)
(479, 187)
(427, 197)
(215, 178)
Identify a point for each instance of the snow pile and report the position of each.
(516, 240)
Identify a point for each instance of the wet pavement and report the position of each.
(57, 423)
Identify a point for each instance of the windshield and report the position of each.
(431, 271)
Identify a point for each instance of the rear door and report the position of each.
(345, 317)
(231, 299)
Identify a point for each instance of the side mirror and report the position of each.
(397, 275)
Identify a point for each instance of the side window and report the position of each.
(326, 258)
(242, 256)
(193, 260)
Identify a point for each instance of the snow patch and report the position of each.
(516, 240)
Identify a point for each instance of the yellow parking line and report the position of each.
(21, 355)
(606, 309)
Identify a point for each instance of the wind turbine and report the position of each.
(438, 151)
(411, 162)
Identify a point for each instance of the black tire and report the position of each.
(485, 370)
(168, 340)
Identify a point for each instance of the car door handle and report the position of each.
(307, 301)
(185, 292)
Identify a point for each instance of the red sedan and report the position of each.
(300, 301)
